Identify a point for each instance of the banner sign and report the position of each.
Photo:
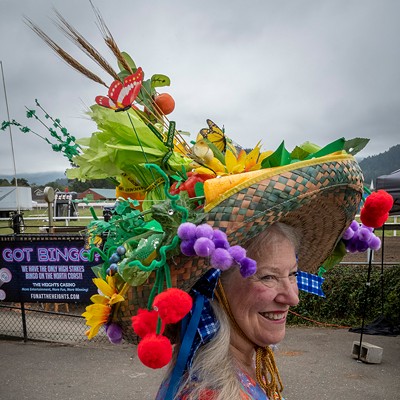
(46, 269)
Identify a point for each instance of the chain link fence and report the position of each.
(55, 322)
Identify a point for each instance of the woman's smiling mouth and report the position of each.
(274, 316)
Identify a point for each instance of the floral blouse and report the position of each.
(250, 390)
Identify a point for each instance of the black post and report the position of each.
(24, 321)
(367, 286)
(382, 258)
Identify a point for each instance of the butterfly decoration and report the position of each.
(216, 136)
(122, 95)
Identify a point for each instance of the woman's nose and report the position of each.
(288, 293)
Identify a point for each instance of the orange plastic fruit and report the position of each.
(164, 103)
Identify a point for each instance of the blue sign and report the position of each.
(46, 269)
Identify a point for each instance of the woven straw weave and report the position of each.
(319, 200)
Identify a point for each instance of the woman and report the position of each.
(252, 315)
(260, 200)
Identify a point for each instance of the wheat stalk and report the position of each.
(63, 54)
(84, 45)
(108, 38)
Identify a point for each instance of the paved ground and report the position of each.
(315, 363)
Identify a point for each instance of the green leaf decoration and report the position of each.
(176, 177)
(97, 270)
(336, 256)
(217, 153)
(278, 158)
(129, 60)
(159, 80)
(199, 189)
(123, 74)
(132, 275)
(298, 153)
(354, 146)
(330, 148)
(145, 94)
(302, 151)
(154, 226)
(147, 246)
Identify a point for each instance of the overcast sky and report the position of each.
(272, 70)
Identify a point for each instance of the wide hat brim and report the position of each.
(318, 197)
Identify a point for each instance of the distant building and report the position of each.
(98, 195)
(38, 194)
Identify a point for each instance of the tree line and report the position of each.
(372, 167)
(63, 184)
(381, 164)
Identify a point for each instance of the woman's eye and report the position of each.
(268, 278)
(293, 276)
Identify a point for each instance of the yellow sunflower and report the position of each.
(99, 312)
(235, 163)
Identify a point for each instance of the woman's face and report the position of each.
(260, 303)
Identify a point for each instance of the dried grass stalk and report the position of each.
(84, 45)
(108, 38)
(63, 54)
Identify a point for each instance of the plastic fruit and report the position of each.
(164, 103)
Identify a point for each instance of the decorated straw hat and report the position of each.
(319, 197)
(180, 203)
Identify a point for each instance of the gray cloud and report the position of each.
(304, 70)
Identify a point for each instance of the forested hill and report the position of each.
(373, 166)
(381, 164)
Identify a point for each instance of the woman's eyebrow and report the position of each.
(276, 270)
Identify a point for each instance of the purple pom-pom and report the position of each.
(237, 253)
(220, 239)
(219, 235)
(375, 243)
(362, 246)
(221, 244)
(248, 267)
(114, 333)
(364, 234)
(221, 259)
(205, 231)
(187, 247)
(351, 245)
(354, 225)
(367, 227)
(348, 234)
(204, 247)
(187, 231)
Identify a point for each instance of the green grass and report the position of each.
(40, 219)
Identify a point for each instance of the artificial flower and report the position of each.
(98, 313)
(236, 164)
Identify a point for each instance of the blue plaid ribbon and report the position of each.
(208, 324)
(197, 328)
(310, 283)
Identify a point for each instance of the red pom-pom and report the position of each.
(145, 322)
(376, 209)
(172, 305)
(155, 351)
(373, 220)
(380, 201)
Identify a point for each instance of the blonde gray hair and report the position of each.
(213, 366)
